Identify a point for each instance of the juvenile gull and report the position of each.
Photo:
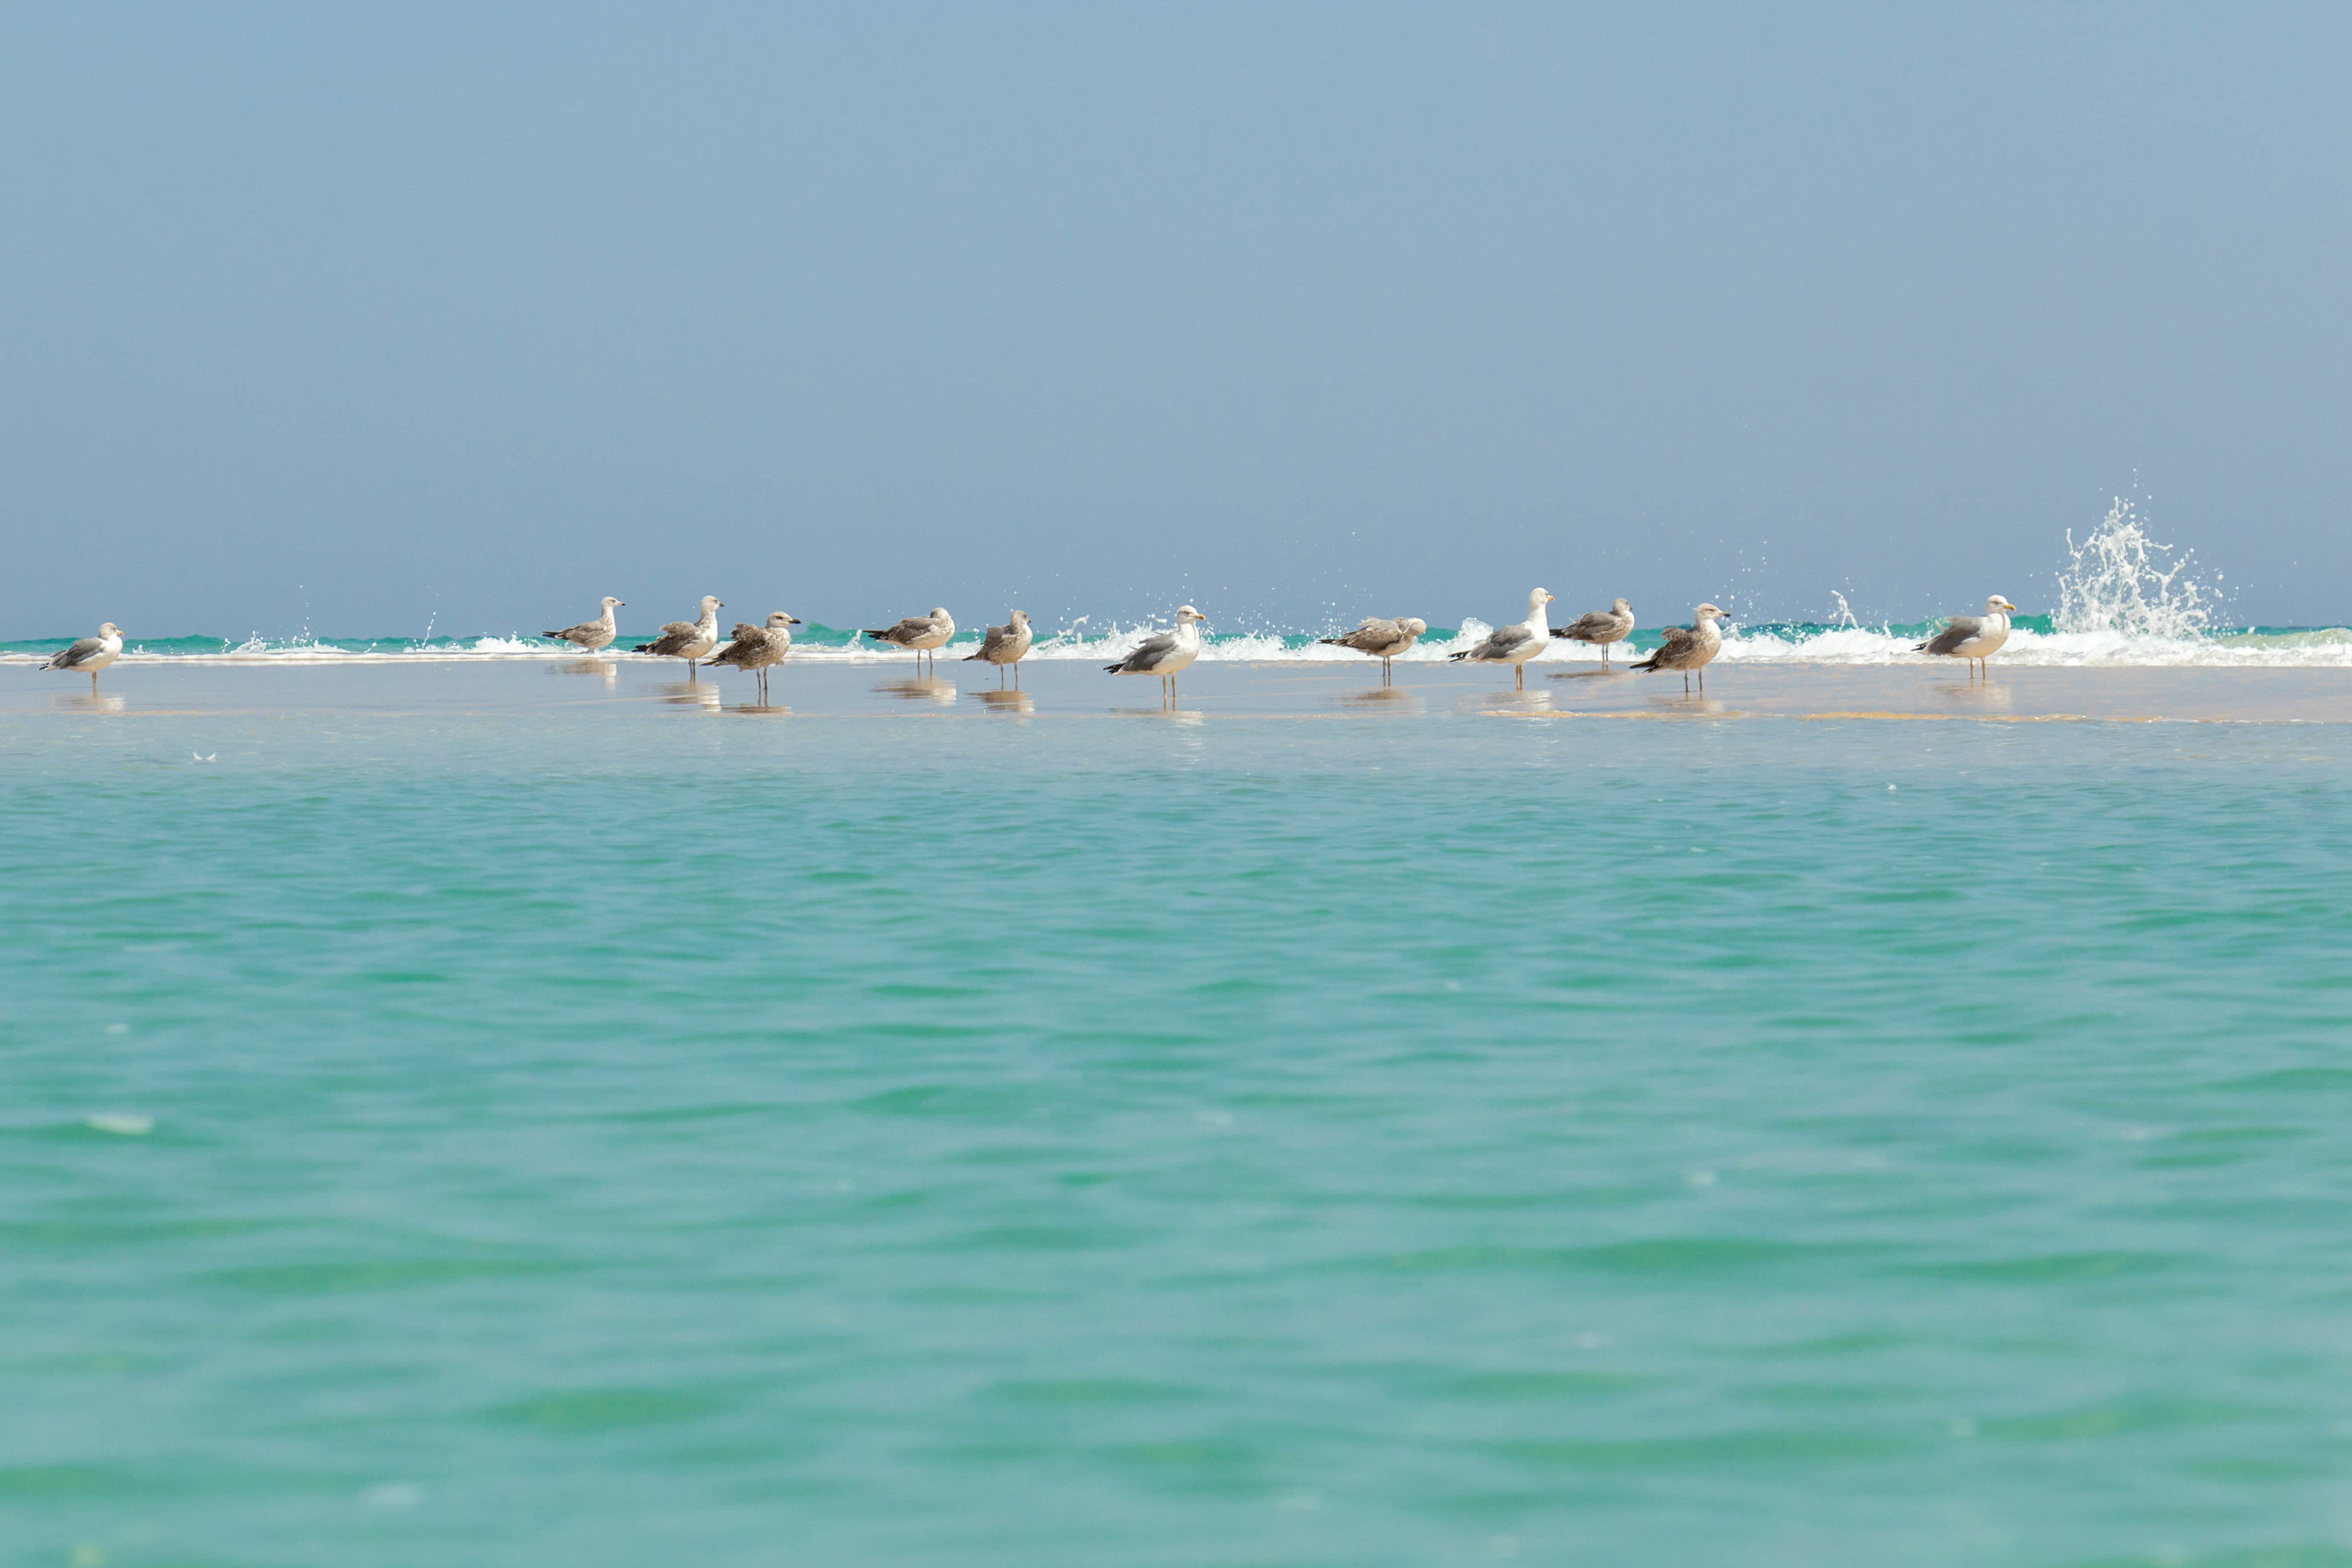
(91, 653)
(1975, 638)
(1005, 644)
(920, 633)
(1165, 652)
(589, 635)
(1514, 645)
(757, 648)
(1613, 625)
(1688, 648)
(1384, 640)
(688, 640)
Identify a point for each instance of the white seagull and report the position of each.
(1005, 644)
(1688, 648)
(1613, 625)
(1165, 652)
(1383, 639)
(1514, 645)
(759, 648)
(688, 640)
(589, 635)
(91, 653)
(920, 633)
(1975, 638)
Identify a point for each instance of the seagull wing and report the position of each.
(83, 648)
(1148, 653)
(1961, 628)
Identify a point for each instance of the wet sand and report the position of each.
(822, 688)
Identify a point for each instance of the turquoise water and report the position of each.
(463, 1134)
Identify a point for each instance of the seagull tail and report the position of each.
(1649, 663)
(1464, 655)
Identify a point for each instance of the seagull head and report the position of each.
(1539, 596)
(1998, 605)
(940, 612)
(1186, 614)
(110, 629)
(1621, 607)
(1415, 625)
(1020, 618)
(778, 618)
(610, 601)
(1708, 612)
(711, 601)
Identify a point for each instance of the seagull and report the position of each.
(1384, 640)
(1165, 652)
(1514, 645)
(918, 632)
(1688, 648)
(589, 635)
(1613, 625)
(755, 648)
(91, 653)
(688, 640)
(1975, 638)
(1005, 644)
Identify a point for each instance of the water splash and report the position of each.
(2122, 580)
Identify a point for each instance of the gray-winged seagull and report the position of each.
(759, 648)
(1975, 638)
(1514, 645)
(1383, 639)
(589, 635)
(688, 640)
(1688, 648)
(920, 633)
(91, 653)
(1005, 644)
(1165, 652)
(1613, 625)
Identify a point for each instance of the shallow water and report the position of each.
(485, 1116)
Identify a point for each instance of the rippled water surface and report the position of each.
(589, 1135)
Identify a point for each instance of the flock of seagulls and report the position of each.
(756, 650)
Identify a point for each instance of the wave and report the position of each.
(2125, 601)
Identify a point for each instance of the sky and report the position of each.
(460, 318)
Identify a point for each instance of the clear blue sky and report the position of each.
(1294, 311)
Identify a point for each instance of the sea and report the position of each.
(469, 1107)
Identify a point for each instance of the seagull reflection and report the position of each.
(603, 669)
(1380, 695)
(921, 688)
(692, 693)
(87, 702)
(1008, 701)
